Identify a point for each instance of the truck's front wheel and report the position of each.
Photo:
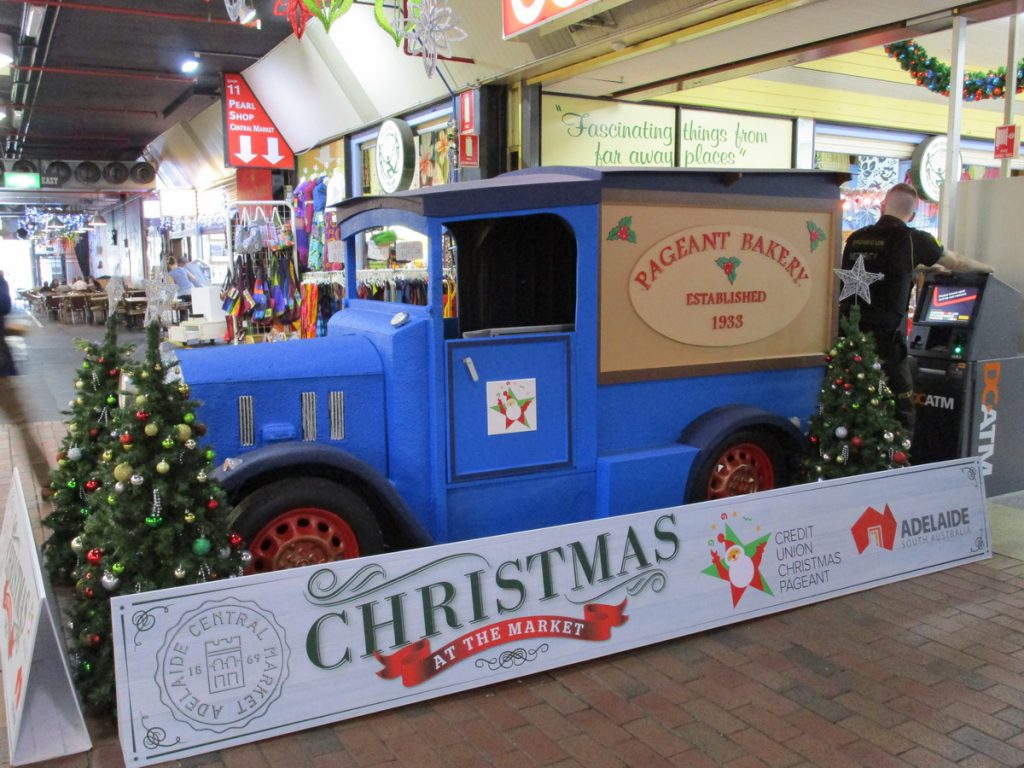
(742, 463)
(305, 521)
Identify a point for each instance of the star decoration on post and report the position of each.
(160, 295)
(857, 280)
(115, 289)
(429, 31)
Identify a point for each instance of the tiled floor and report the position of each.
(926, 672)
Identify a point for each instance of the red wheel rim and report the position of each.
(741, 469)
(305, 536)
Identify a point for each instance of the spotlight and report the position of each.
(247, 13)
(189, 65)
(97, 221)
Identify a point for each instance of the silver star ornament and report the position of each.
(857, 280)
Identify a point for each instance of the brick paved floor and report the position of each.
(926, 672)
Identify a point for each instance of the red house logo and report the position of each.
(874, 527)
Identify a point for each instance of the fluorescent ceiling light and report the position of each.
(189, 65)
(6, 49)
(32, 20)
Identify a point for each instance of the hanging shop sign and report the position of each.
(251, 140)
(1007, 142)
(590, 132)
(395, 156)
(469, 150)
(518, 16)
(208, 666)
(41, 708)
(725, 140)
(467, 111)
(928, 167)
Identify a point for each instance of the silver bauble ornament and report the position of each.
(245, 556)
(876, 365)
(841, 432)
(74, 453)
(137, 480)
(119, 487)
(179, 572)
(77, 545)
(201, 476)
(224, 553)
(888, 436)
(906, 443)
(109, 581)
(190, 444)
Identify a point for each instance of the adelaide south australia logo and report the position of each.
(721, 284)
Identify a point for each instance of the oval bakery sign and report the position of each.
(720, 285)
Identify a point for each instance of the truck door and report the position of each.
(509, 405)
(510, 399)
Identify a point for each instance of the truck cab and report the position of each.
(545, 347)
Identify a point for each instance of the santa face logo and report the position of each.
(511, 406)
(737, 562)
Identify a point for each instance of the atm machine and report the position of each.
(965, 342)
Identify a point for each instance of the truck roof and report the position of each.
(557, 186)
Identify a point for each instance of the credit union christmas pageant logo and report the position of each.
(737, 562)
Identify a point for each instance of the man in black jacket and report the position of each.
(895, 251)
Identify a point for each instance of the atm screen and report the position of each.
(951, 304)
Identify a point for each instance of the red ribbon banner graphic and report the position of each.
(416, 663)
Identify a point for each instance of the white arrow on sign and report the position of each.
(273, 150)
(245, 146)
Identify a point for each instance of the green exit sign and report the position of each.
(19, 180)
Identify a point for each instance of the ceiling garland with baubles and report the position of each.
(934, 74)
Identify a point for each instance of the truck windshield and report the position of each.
(392, 265)
(515, 272)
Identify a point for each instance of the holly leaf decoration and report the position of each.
(817, 235)
(728, 264)
(623, 230)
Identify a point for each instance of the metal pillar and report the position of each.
(1010, 92)
(947, 205)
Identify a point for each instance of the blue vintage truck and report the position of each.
(594, 342)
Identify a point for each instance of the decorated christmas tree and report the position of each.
(158, 520)
(855, 429)
(89, 422)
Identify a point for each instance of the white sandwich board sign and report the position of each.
(209, 666)
(44, 720)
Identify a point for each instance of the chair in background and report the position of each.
(73, 309)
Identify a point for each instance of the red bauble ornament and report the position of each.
(828, 358)
(847, 386)
(114, 372)
(839, 381)
(92, 484)
(101, 360)
(88, 592)
(235, 540)
(857, 358)
(94, 556)
(199, 428)
(212, 504)
(125, 438)
(856, 441)
(141, 415)
(899, 457)
(95, 640)
(94, 433)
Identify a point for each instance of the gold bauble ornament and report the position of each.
(151, 429)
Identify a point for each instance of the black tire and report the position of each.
(744, 462)
(304, 521)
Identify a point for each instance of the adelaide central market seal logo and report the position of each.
(223, 665)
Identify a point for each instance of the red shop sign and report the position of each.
(250, 137)
(518, 16)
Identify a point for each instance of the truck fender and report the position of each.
(245, 474)
(710, 428)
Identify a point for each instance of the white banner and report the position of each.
(209, 666)
(726, 140)
(577, 131)
(43, 717)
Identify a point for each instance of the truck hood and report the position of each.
(335, 355)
